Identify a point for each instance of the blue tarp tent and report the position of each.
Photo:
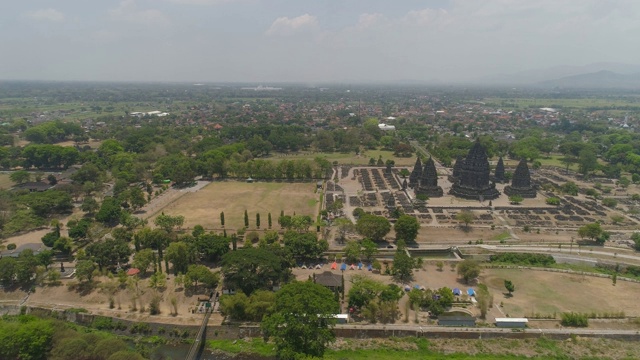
(370, 268)
(456, 291)
(359, 266)
(343, 267)
(471, 292)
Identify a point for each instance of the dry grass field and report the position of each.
(203, 207)
(546, 292)
(5, 182)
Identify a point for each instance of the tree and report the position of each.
(20, 176)
(269, 222)
(515, 199)
(302, 321)
(246, 219)
(468, 269)
(594, 232)
(466, 217)
(110, 252)
(212, 247)
(587, 161)
(143, 259)
(179, 255)
(110, 211)
(509, 286)
(90, 205)
(258, 220)
(369, 249)
(407, 228)
(570, 188)
(403, 265)
(344, 226)
(201, 274)
(168, 222)
(304, 246)
(373, 227)
(252, 269)
(352, 252)
(85, 269)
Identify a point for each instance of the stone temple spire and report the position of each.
(416, 174)
(429, 181)
(499, 174)
(473, 181)
(521, 182)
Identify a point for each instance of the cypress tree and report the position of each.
(222, 218)
(269, 220)
(258, 220)
(246, 219)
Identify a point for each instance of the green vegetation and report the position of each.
(574, 319)
(525, 259)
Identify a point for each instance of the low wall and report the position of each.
(232, 332)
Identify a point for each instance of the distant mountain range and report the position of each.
(596, 76)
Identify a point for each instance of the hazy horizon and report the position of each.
(286, 41)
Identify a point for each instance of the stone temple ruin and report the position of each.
(416, 174)
(499, 174)
(428, 184)
(473, 177)
(521, 182)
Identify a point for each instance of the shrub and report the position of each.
(11, 246)
(140, 328)
(103, 323)
(523, 259)
(574, 319)
(609, 202)
(553, 201)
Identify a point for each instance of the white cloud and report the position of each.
(366, 20)
(200, 2)
(47, 15)
(128, 11)
(288, 26)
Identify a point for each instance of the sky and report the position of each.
(309, 41)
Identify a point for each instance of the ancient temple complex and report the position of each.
(416, 174)
(499, 174)
(428, 183)
(521, 182)
(472, 180)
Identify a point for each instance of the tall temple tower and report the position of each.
(473, 181)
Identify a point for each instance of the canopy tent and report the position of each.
(456, 291)
(334, 266)
(343, 267)
(416, 286)
(471, 292)
(352, 267)
(318, 266)
(407, 288)
(360, 266)
(133, 271)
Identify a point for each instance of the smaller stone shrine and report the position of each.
(416, 174)
(428, 184)
(457, 169)
(521, 182)
(499, 174)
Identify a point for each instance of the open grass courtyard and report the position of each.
(203, 207)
